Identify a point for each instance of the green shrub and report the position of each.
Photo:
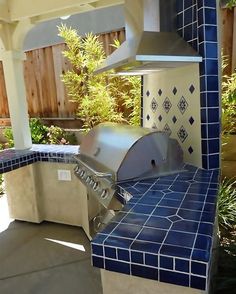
(42, 134)
(38, 131)
(227, 203)
(56, 135)
(9, 136)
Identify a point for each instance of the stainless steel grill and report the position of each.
(111, 153)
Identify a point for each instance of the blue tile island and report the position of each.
(11, 159)
(164, 231)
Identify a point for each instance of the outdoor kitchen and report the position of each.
(145, 196)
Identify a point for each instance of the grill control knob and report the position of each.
(82, 172)
(95, 186)
(104, 194)
(91, 182)
(88, 179)
(76, 168)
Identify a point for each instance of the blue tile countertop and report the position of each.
(12, 159)
(164, 231)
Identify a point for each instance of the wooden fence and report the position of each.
(46, 94)
(228, 35)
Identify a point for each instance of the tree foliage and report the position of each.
(102, 97)
(231, 3)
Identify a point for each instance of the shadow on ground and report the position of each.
(225, 281)
(46, 258)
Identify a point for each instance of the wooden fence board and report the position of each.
(227, 18)
(233, 68)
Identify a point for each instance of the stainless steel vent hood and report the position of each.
(151, 41)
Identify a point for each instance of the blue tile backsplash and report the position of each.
(197, 24)
(164, 231)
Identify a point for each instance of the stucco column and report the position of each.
(15, 86)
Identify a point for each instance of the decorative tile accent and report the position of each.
(174, 119)
(182, 134)
(190, 150)
(148, 117)
(182, 105)
(154, 126)
(148, 93)
(154, 105)
(167, 129)
(167, 105)
(167, 81)
(174, 218)
(191, 89)
(160, 92)
(173, 242)
(191, 120)
(174, 91)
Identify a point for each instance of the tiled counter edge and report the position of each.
(164, 231)
(12, 159)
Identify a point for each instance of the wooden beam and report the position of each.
(107, 3)
(4, 13)
(27, 8)
(20, 9)
(234, 43)
(57, 14)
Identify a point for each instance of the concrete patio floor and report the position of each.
(44, 258)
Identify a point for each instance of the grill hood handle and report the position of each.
(96, 173)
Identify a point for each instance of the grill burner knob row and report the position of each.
(104, 194)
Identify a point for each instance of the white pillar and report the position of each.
(15, 86)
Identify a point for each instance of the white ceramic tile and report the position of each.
(180, 79)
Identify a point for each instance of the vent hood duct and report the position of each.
(151, 41)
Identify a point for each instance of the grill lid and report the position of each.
(131, 152)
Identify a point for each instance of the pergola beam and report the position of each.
(4, 13)
(64, 12)
(107, 3)
(21, 9)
